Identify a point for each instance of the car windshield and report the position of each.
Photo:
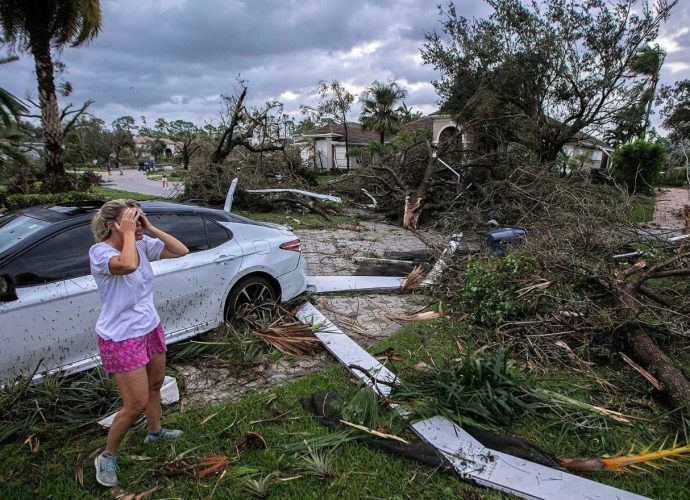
(14, 229)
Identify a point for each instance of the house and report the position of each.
(141, 150)
(590, 151)
(328, 144)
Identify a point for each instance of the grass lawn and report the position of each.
(642, 209)
(105, 193)
(298, 221)
(358, 471)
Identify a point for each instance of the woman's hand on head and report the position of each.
(128, 221)
(145, 224)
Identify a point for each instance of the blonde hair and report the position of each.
(109, 212)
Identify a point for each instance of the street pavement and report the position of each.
(136, 181)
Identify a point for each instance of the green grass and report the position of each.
(298, 221)
(105, 193)
(359, 471)
(642, 209)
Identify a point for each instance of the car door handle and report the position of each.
(225, 258)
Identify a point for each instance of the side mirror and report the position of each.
(7, 291)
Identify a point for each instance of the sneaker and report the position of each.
(106, 469)
(163, 433)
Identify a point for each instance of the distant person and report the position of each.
(109, 168)
(119, 167)
(131, 340)
(164, 179)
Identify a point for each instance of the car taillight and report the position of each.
(293, 245)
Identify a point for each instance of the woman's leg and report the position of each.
(133, 386)
(155, 370)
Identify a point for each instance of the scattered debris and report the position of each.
(413, 280)
(469, 457)
(627, 461)
(333, 284)
(292, 339)
(648, 376)
(309, 194)
(423, 316)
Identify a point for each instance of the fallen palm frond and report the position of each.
(414, 279)
(292, 339)
(58, 404)
(483, 391)
(631, 460)
(204, 468)
(363, 408)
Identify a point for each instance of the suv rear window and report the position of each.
(15, 228)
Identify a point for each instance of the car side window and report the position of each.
(189, 229)
(60, 257)
(217, 235)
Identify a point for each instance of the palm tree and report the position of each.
(407, 115)
(648, 62)
(378, 108)
(37, 26)
(10, 110)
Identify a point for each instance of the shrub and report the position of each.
(637, 165)
(17, 201)
(488, 292)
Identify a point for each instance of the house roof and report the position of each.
(356, 134)
(426, 122)
(143, 139)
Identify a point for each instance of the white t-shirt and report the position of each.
(127, 299)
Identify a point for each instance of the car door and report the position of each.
(48, 326)
(190, 291)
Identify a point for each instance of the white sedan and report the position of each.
(49, 302)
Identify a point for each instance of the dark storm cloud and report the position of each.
(174, 58)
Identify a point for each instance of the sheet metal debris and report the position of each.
(470, 459)
(456, 243)
(309, 194)
(331, 284)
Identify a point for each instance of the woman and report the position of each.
(131, 340)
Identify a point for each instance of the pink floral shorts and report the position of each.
(130, 354)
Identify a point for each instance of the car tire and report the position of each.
(255, 290)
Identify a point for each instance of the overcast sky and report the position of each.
(173, 58)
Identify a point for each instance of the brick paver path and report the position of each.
(668, 210)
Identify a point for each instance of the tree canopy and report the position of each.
(537, 74)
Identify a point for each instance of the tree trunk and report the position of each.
(413, 208)
(55, 178)
(644, 350)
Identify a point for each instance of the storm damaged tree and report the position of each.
(247, 128)
(38, 27)
(187, 134)
(538, 74)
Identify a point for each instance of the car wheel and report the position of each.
(248, 294)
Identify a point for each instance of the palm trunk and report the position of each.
(50, 116)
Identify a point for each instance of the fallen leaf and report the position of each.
(140, 458)
(421, 366)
